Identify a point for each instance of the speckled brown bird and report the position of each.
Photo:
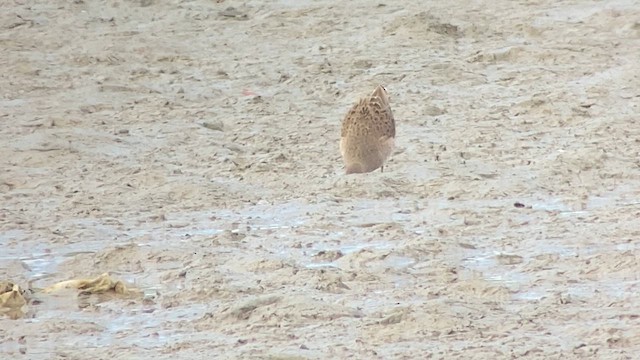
(368, 133)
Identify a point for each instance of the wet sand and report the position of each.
(190, 148)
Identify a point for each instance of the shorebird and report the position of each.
(368, 133)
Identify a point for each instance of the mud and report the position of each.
(190, 149)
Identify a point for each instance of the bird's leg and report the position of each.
(382, 168)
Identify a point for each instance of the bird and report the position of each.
(368, 133)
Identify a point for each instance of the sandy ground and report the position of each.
(505, 225)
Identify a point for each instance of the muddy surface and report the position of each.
(190, 149)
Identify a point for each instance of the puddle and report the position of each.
(278, 226)
(345, 250)
(42, 261)
(127, 327)
(485, 260)
(261, 217)
(43, 258)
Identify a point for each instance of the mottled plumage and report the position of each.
(368, 133)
